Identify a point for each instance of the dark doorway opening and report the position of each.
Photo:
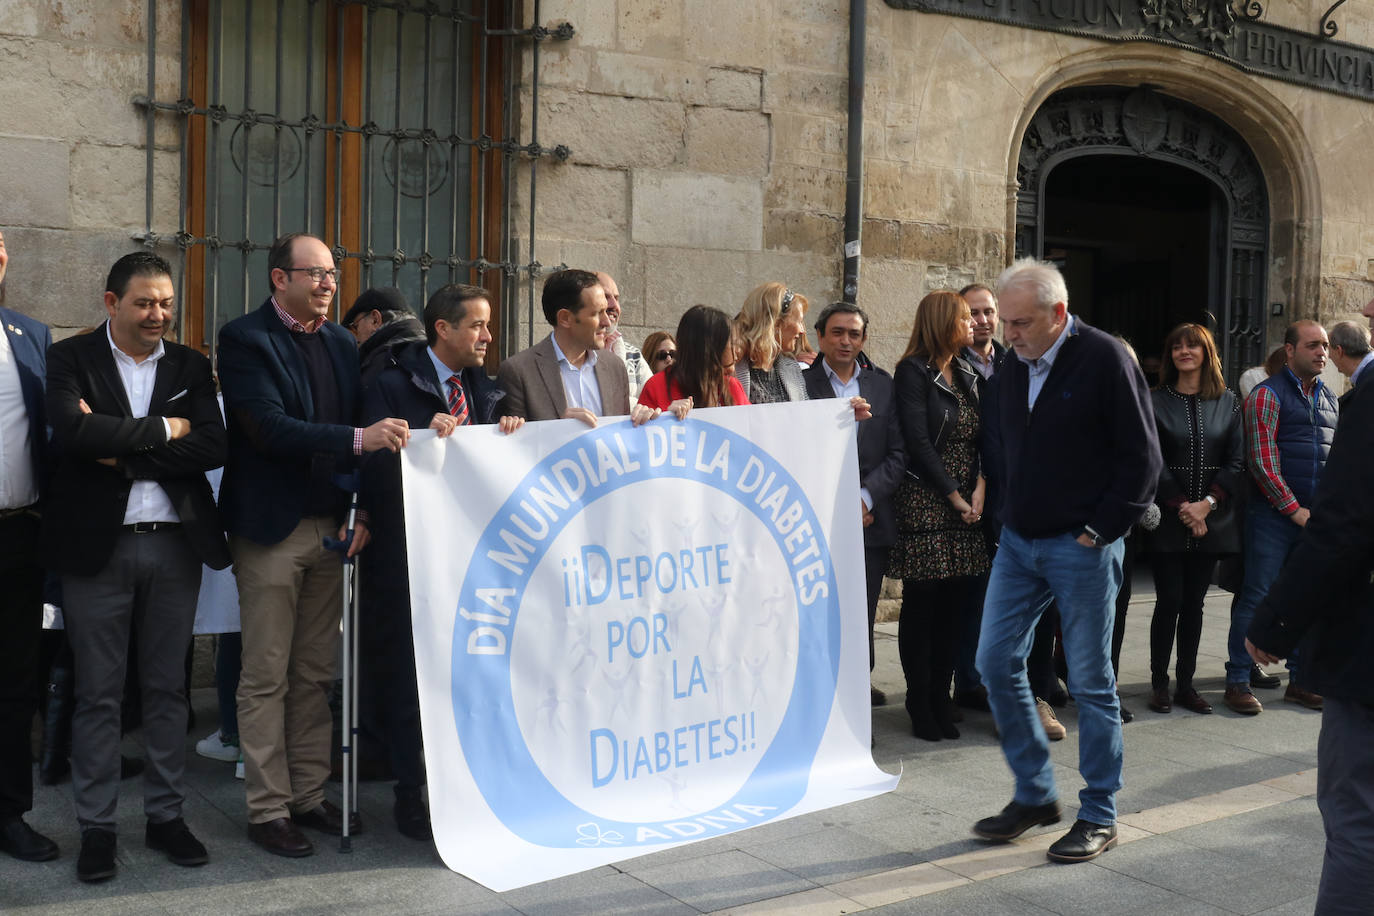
(1142, 244)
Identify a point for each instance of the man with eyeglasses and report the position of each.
(291, 388)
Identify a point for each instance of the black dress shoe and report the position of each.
(1015, 819)
(328, 818)
(97, 859)
(129, 767)
(176, 839)
(1126, 714)
(23, 842)
(876, 697)
(1258, 678)
(1084, 841)
(281, 838)
(412, 819)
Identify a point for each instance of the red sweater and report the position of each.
(659, 393)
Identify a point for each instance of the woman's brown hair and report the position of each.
(1211, 384)
(935, 334)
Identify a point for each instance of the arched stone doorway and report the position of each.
(1157, 210)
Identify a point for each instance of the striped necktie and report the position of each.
(457, 404)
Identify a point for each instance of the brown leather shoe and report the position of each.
(281, 838)
(1159, 700)
(327, 817)
(1054, 729)
(1296, 694)
(1238, 698)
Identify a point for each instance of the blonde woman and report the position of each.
(769, 324)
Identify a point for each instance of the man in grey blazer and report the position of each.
(569, 374)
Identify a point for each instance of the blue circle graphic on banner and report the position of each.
(510, 780)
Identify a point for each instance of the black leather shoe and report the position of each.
(97, 859)
(23, 842)
(412, 819)
(977, 698)
(176, 839)
(1126, 714)
(1016, 819)
(281, 838)
(876, 697)
(328, 818)
(1084, 841)
(1258, 678)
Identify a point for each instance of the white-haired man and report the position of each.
(1070, 435)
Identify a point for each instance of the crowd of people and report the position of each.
(998, 482)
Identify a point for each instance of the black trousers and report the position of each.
(932, 614)
(875, 564)
(21, 622)
(388, 694)
(1181, 581)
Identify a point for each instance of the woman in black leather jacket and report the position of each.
(1200, 435)
(940, 551)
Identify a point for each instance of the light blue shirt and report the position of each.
(1359, 370)
(845, 391)
(444, 373)
(579, 383)
(1040, 368)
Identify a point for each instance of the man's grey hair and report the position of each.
(1041, 278)
(1351, 338)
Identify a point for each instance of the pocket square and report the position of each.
(180, 393)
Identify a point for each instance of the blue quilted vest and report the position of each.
(1306, 428)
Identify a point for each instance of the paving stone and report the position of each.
(727, 879)
(967, 900)
(833, 855)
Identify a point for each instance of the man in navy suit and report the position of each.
(841, 331)
(129, 523)
(23, 440)
(291, 388)
(437, 383)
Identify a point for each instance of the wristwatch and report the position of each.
(1211, 501)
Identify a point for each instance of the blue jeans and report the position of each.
(1269, 538)
(1026, 575)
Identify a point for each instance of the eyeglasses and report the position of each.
(662, 355)
(317, 273)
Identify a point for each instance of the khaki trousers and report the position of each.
(289, 600)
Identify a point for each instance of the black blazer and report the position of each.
(1220, 452)
(29, 341)
(86, 504)
(273, 436)
(1324, 597)
(928, 410)
(881, 456)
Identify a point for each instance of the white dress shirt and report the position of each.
(148, 502)
(845, 391)
(579, 383)
(18, 484)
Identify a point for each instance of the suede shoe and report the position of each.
(1296, 694)
(97, 859)
(176, 839)
(412, 819)
(1258, 678)
(281, 838)
(1238, 698)
(1192, 701)
(1015, 819)
(23, 842)
(1159, 700)
(1084, 841)
(1054, 729)
(328, 818)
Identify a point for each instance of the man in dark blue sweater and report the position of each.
(1070, 439)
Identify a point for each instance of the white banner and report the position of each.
(632, 638)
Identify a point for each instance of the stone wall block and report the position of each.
(727, 33)
(797, 187)
(651, 26)
(882, 238)
(645, 77)
(798, 46)
(798, 230)
(594, 20)
(888, 292)
(894, 190)
(808, 140)
(728, 142)
(561, 66)
(612, 131)
(695, 210)
(825, 94)
(108, 187)
(729, 88)
(35, 183)
(19, 19)
(815, 276)
(107, 24)
(678, 278)
(58, 275)
(582, 202)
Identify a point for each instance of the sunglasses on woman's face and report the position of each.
(662, 355)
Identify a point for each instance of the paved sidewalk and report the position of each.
(1217, 816)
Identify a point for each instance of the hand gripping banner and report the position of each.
(630, 638)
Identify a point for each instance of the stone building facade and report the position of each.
(708, 154)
